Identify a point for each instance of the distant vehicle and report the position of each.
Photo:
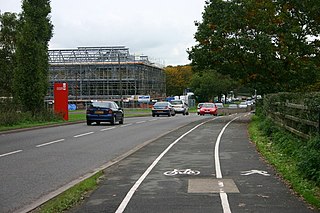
(163, 108)
(104, 111)
(180, 107)
(208, 108)
(219, 105)
(243, 105)
(233, 106)
(199, 107)
(249, 102)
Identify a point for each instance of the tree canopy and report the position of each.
(268, 45)
(177, 79)
(210, 84)
(8, 31)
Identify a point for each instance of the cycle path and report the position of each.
(200, 168)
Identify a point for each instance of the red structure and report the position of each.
(61, 99)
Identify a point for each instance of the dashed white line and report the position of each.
(84, 134)
(153, 119)
(52, 142)
(107, 129)
(126, 125)
(10, 153)
(140, 122)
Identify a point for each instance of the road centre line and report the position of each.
(84, 134)
(52, 142)
(223, 195)
(126, 125)
(129, 195)
(153, 119)
(10, 153)
(107, 129)
(140, 122)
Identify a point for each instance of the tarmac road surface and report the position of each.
(206, 166)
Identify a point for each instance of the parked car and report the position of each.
(243, 105)
(199, 107)
(104, 111)
(233, 106)
(219, 105)
(163, 108)
(180, 107)
(208, 108)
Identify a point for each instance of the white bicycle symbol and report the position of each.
(181, 172)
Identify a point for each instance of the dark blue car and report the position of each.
(104, 111)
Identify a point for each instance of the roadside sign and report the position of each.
(61, 99)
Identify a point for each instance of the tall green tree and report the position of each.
(8, 31)
(31, 75)
(209, 84)
(263, 44)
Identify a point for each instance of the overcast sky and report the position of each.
(162, 30)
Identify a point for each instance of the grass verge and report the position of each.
(71, 197)
(284, 162)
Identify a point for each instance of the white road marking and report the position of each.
(52, 142)
(223, 195)
(129, 195)
(140, 122)
(107, 129)
(153, 119)
(126, 125)
(254, 171)
(10, 153)
(84, 134)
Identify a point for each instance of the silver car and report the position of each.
(180, 107)
(163, 108)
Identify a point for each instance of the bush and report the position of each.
(305, 154)
(309, 163)
(11, 115)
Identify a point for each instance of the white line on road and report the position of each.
(10, 153)
(153, 119)
(140, 122)
(84, 134)
(126, 125)
(223, 195)
(52, 142)
(107, 129)
(129, 195)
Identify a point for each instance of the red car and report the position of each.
(208, 108)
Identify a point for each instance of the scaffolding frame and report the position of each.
(105, 73)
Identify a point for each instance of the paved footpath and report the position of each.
(200, 168)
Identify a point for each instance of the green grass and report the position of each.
(71, 197)
(284, 161)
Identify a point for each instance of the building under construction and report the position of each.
(105, 73)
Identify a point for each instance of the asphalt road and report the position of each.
(202, 167)
(38, 164)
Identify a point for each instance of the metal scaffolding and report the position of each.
(105, 73)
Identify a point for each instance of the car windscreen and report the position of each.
(176, 102)
(208, 105)
(102, 104)
(161, 104)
